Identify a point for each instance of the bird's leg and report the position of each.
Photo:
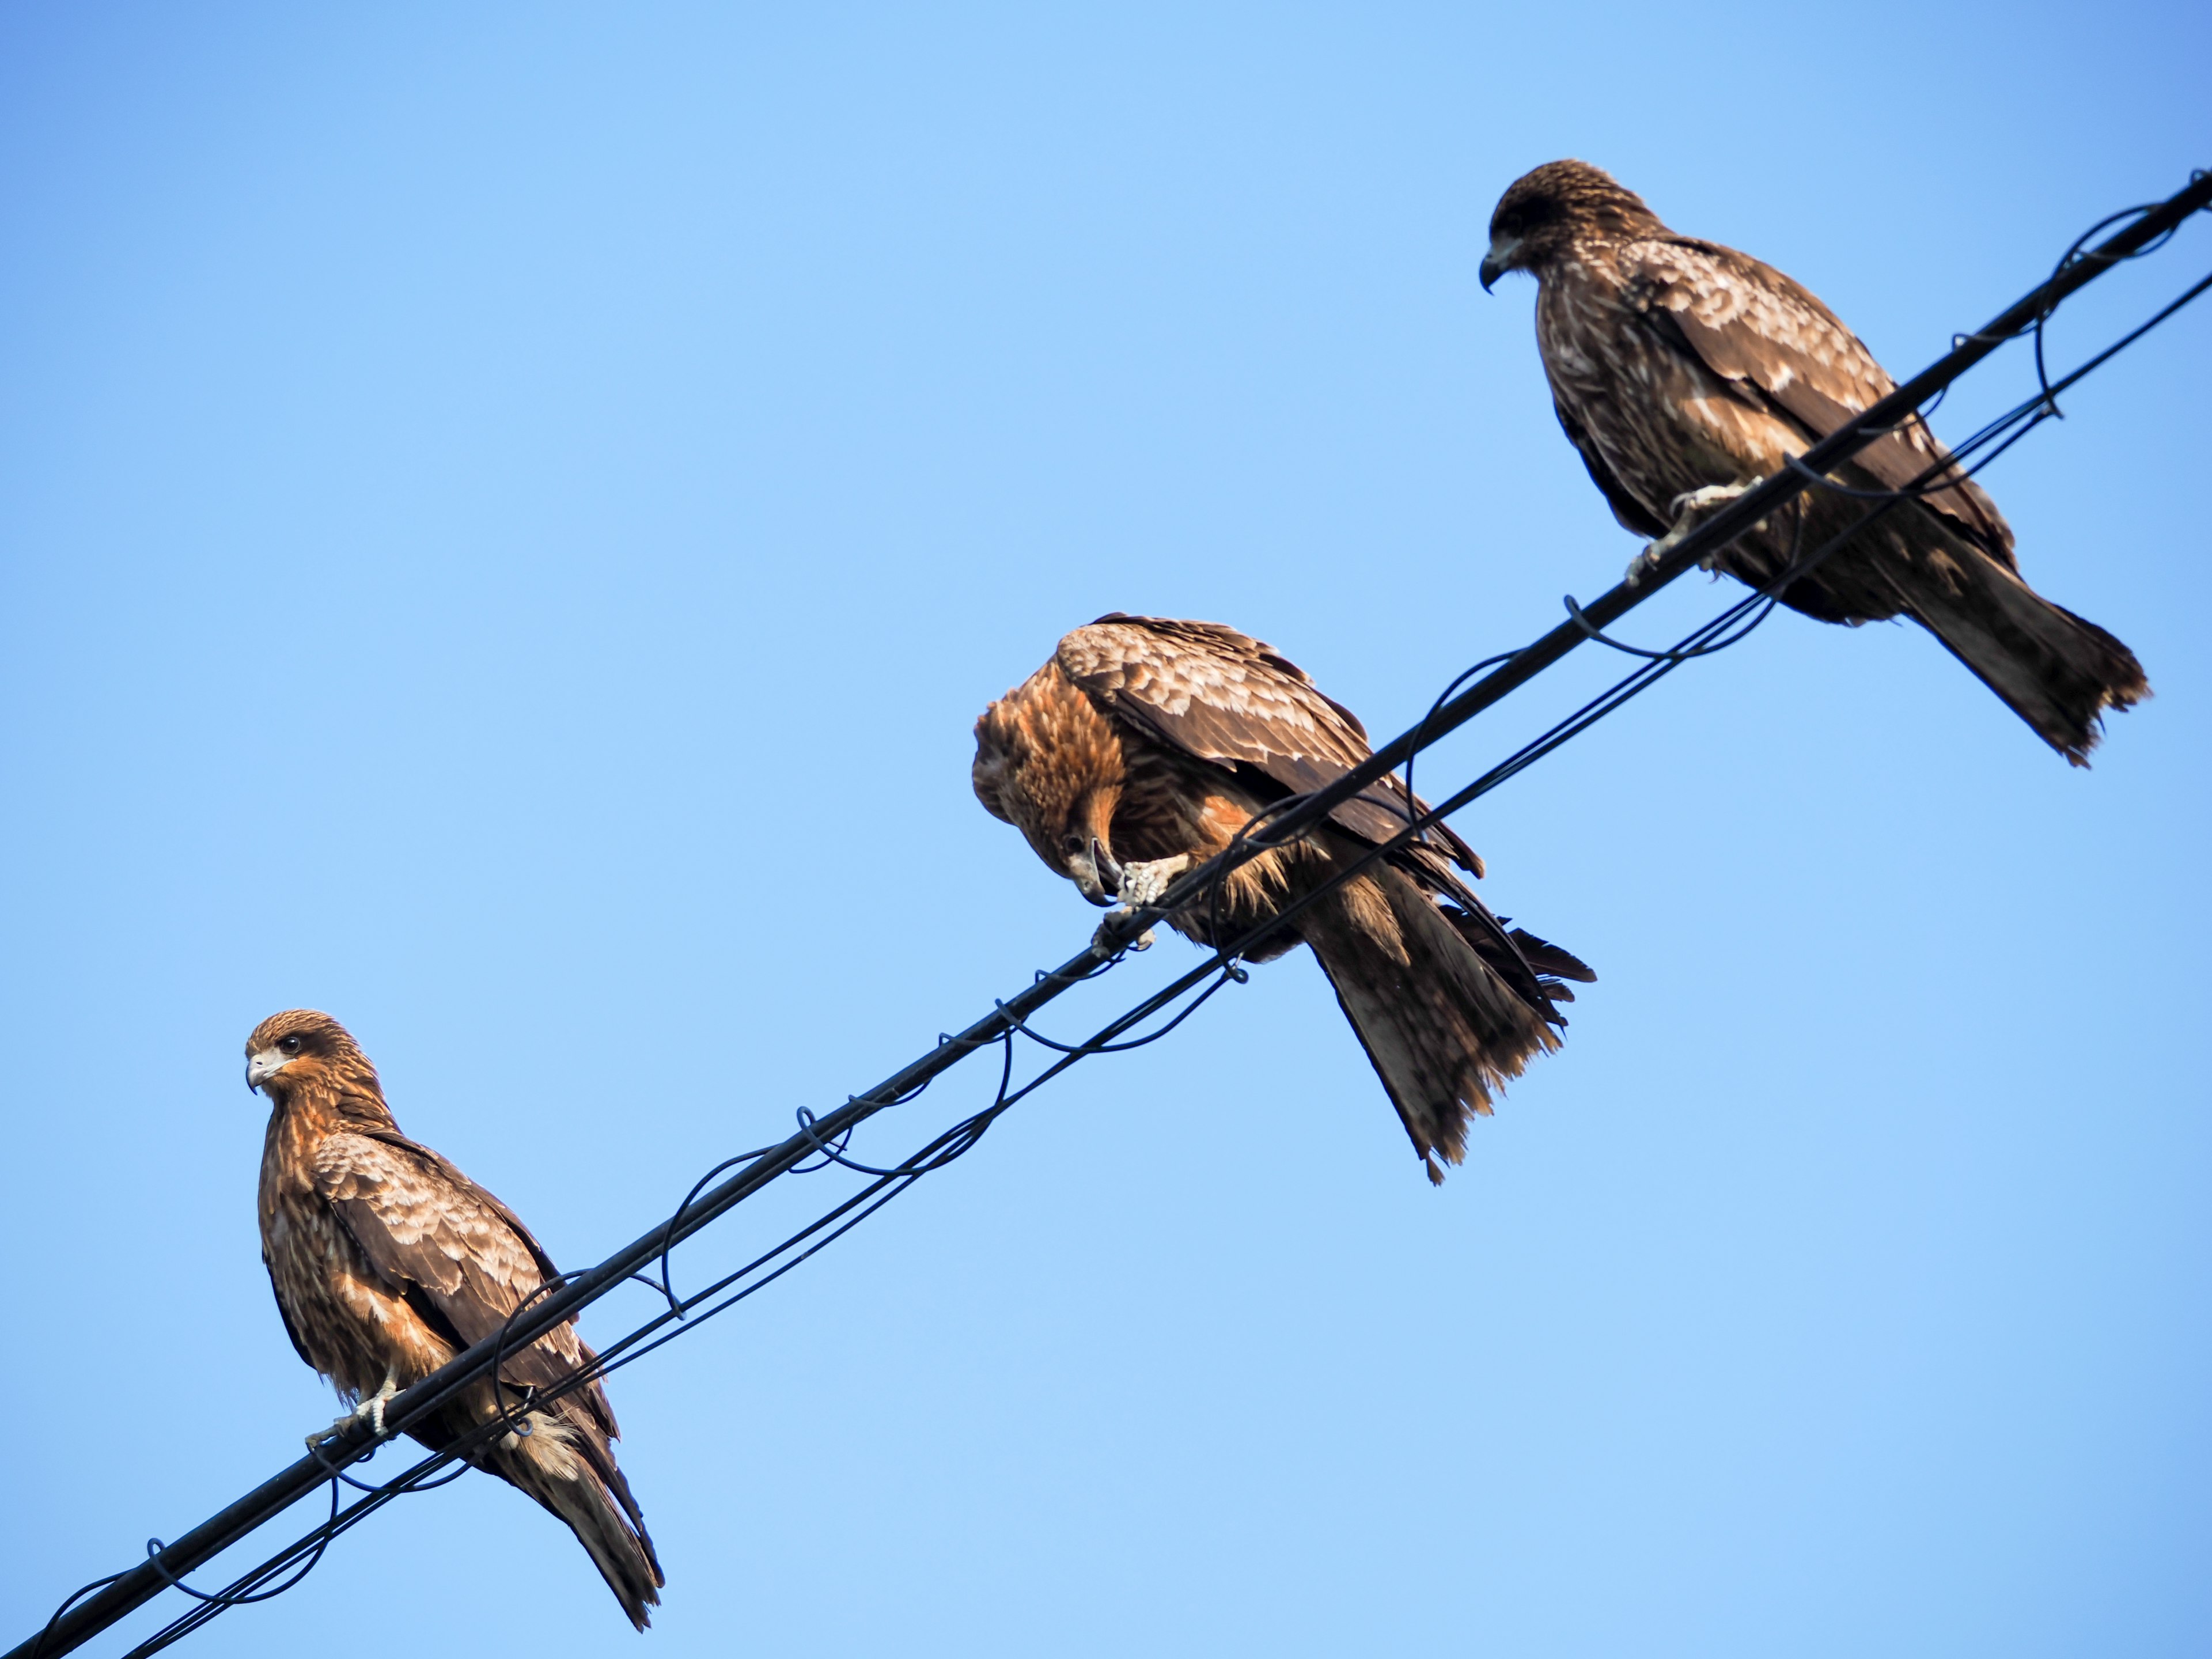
(1141, 885)
(1691, 508)
(372, 1408)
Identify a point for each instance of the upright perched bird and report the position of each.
(387, 1261)
(1143, 745)
(1684, 372)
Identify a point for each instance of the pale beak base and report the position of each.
(1498, 260)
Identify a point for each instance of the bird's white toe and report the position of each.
(1142, 884)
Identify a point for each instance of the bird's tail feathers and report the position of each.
(1443, 1025)
(570, 1470)
(2056, 671)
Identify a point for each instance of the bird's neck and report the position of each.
(1591, 260)
(316, 1108)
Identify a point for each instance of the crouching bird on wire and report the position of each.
(1684, 372)
(387, 1261)
(1145, 745)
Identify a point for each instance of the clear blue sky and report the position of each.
(509, 515)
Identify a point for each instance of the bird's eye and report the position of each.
(290, 1045)
(1071, 843)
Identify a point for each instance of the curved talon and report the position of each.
(1703, 500)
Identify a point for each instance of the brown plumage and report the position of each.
(1678, 365)
(387, 1261)
(1143, 745)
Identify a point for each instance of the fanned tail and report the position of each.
(2056, 671)
(1447, 1004)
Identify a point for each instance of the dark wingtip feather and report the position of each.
(1547, 957)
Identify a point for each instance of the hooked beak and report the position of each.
(1096, 875)
(1110, 873)
(1498, 260)
(260, 1067)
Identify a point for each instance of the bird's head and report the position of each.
(1082, 845)
(1051, 765)
(300, 1046)
(1067, 814)
(1548, 212)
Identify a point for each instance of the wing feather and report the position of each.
(1224, 697)
(426, 1228)
(285, 1313)
(1756, 328)
(1629, 512)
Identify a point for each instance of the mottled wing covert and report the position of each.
(1225, 697)
(1750, 323)
(424, 1224)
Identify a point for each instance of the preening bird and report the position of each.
(1142, 748)
(1684, 372)
(387, 1261)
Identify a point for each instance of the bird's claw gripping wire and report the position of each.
(1142, 886)
(1106, 942)
(369, 1411)
(1146, 883)
(318, 1449)
(1691, 508)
